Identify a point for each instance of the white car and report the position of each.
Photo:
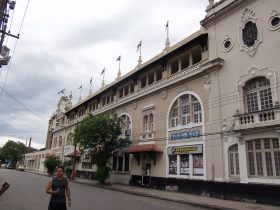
(20, 168)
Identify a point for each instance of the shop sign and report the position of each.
(192, 149)
(185, 135)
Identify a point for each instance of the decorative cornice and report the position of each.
(228, 9)
(182, 75)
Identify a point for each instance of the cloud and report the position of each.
(63, 46)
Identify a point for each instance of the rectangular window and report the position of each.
(258, 144)
(132, 88)
(275, 143)
(114, 167)
(198, 164)
(185, 61)
(231, 164)
(151, 78)
(252, 102)
(266, 99)
(120, 163)
(197, 112)
(267, 143)
(277, 162)
(251, 163)
(184, 164)
(259, 163)
(143, 82)
(174, 67)
(126, 90)
(173, 164)
(126, 162)
(121, 93)
(268, 162)
(159, 75)
(250, 145)
(237, 163)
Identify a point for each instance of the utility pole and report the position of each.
(5, 7)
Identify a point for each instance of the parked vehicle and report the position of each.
(21, 168)
(11, 166)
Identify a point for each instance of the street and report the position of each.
(27, 192)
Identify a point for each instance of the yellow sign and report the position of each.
(192, 149)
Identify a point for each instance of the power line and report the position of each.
(9, 66)
(22, 105)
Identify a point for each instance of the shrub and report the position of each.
(102, 173)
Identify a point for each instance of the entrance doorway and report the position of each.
(146, 169)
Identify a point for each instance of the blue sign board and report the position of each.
(185, 135)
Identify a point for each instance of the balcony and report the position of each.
(264, 118)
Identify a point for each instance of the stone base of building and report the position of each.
(254, 193)
(120, 178)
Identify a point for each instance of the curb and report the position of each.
(209, 206)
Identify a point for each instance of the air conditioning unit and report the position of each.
(127, 132)
(5, 51)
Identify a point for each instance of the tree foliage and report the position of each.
(51, 163)
(14, 151)
(100, 135)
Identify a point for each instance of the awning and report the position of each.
(72, 154)
(144, 148)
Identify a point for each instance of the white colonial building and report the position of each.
(204, 110)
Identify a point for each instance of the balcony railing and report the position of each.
(257, 119)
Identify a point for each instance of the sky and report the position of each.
(65, 43)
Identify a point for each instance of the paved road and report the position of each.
(27, 192)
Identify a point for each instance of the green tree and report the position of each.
(14, 151)
(51, 163)
(68, 167)
(100, 135)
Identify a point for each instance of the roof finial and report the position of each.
(119, 71)
(167, 42)
(211, 4)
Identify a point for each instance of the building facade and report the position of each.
(205, 109)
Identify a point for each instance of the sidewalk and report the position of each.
(185, 198)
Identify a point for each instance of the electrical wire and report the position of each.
(9, 65)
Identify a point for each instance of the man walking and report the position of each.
(57, 188)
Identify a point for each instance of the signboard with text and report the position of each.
(192, 149)
(185, 135)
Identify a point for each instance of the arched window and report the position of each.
(258, 94)
(125, 125)
(185, 110)
(151, 124)
(54, 145)
(146, 123)
(263, 157)
(69, 140)
(233, 160)
(60, 142)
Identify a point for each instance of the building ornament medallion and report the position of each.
(250, 32)
(227, 44)
(274, 21)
